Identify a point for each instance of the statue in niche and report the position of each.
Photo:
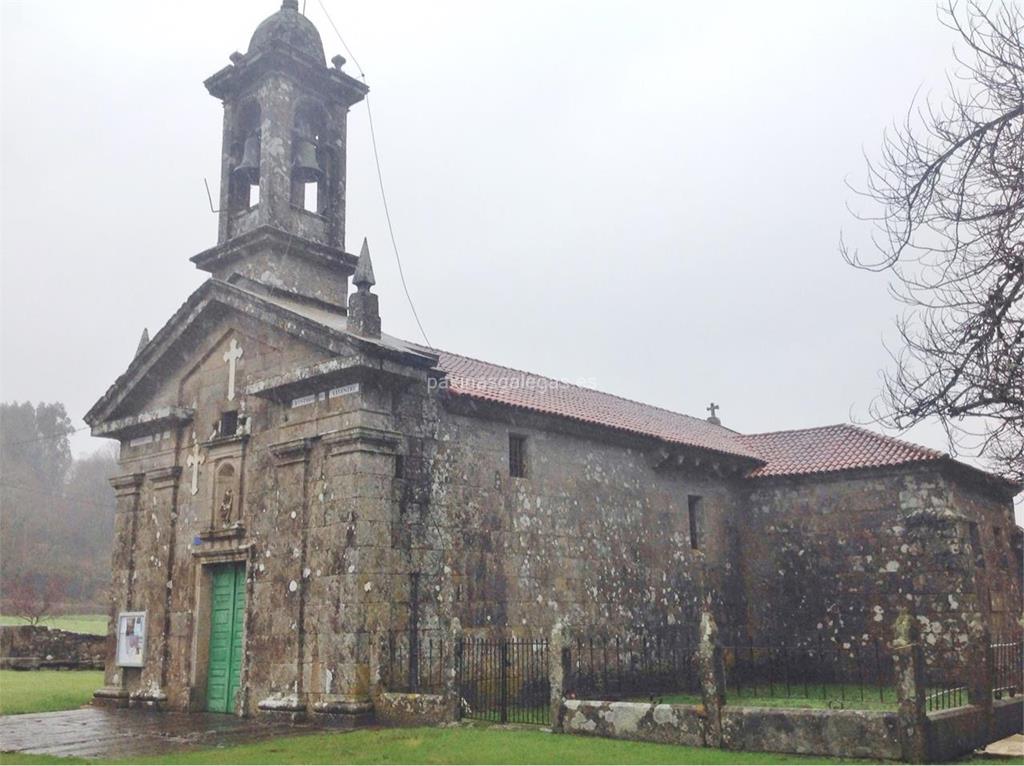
(227, 506)
(224, 493)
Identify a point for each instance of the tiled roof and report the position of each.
(491, 382)
(831, 448)
(783, 453)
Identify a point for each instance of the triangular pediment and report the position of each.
(199, 334)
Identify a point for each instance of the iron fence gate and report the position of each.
(504, 680)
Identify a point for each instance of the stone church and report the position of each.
(295, 481)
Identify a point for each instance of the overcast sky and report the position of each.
(644, 196)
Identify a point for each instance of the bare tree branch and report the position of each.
(945, 204)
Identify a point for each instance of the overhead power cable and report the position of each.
(380, 177)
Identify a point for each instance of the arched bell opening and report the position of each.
(310, 160)
(245, 153)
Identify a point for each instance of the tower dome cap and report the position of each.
(291, 29)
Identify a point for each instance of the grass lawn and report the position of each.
(850, 697)
(38, 691)
(95, 624)
(452, 745)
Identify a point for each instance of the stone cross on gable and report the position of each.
(713, 408)
(193, 461)
(231, 356)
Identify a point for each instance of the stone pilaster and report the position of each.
(908, 659)
(283, 589)
(127, 491)
(711, 672)
(982, 676)
(558, 671)
(155, 542)
(350, 560)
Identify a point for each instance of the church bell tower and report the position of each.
(282, 192)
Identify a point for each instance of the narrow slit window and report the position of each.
(399, 466)
(694, 511)
(254, 195)
(516, 455)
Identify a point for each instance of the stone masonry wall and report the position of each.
(592, 534)
(30, 647)
(839, 555)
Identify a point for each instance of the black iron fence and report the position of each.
(1008, 668)
(826, 674)
(504, 680)
(946, 684)
(633, 665)
(946, 697)
(415, 661)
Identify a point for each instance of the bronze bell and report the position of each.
(249, 169)
(306, 167)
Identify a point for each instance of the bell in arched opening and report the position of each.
(306, 166)
(248, 170)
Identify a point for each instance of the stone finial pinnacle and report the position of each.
(290, 5)
(364, 306)
(363, 278)
(143, 341)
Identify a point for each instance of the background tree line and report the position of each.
(56, 514)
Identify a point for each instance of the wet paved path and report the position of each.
(107, 734)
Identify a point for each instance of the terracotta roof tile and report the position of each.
(784, 453)
(831, 448)
(494, 383)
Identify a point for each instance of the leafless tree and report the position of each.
(946, 202)
(33, 598)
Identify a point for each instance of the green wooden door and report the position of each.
(227, 612)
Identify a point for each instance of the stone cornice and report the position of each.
(293, 451)
(264, 238)
(314, 377)
(362, 439)
(163, 478)
(249, 69)
(143, 423)
(226, 552)
(127, 484)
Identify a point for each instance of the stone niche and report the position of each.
(224, 486)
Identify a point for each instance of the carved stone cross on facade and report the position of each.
(193, 461)
(231, 356)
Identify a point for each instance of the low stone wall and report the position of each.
(646, 721)
(953, 733)
(395, 709)
(31, 647)
(841, 733)
(846, 733)
(1008, 718)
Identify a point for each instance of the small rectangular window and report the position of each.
(399, 466)
(516, 455)
(694, 512)
(229, 423)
